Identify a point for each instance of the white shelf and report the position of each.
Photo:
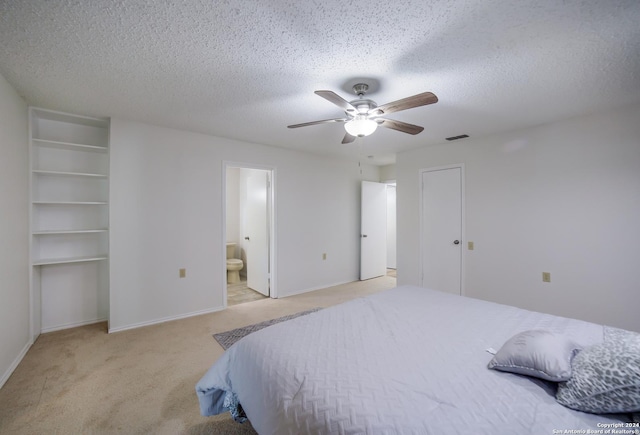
(70, 118)
(50, 261)
(68, 174)
(69, 146)
(70, 202)
(52, 232)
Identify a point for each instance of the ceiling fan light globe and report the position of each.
(360, 126)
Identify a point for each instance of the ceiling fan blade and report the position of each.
(337, 100)
(348, 138)
(406, 103)
(324, 121)
(400, 126)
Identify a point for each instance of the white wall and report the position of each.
(562, 198)
(14, 230)
(388, 173)
(165, 213)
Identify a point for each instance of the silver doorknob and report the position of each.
(363, 235)
(456, 242)
(246, 238)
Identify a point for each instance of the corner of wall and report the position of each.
(15, 322)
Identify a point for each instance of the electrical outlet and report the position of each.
(324, 256)
(546, 277)
(470, 246)
(183, 273)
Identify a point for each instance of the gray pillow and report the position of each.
(538, 353)
(606, 378)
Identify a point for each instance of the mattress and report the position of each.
(404, 361)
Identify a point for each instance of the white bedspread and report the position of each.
(405, 361)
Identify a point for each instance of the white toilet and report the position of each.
(234, 265)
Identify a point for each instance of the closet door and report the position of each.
(69, 219)
(441, 229)
(373, 230)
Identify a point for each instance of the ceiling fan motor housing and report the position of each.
(360, 89)
(363, 106)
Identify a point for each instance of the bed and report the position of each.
(404, 361)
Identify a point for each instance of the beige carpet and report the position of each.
(85, 381)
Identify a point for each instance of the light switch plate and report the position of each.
(546, 277)
(470, 246)
(183, 273)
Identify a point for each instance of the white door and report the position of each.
(441, 222)
(257, 231)
(373, 230)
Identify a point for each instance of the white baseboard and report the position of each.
(311, 289)
(14, 364)
(71, 325)
(165, 319)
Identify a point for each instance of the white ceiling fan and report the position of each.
(364, 115)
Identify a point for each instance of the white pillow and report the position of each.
(538, 353)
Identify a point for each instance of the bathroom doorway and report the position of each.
(378, 230)
(391, 228)
(249, 229)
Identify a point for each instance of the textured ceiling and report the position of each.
(247, 69)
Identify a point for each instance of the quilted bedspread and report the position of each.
(404, 361)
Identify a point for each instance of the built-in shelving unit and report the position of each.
(69, 219)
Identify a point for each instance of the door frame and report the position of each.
(463, 235)
(392, 183)
(273, 269)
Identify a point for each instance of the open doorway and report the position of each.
(391, 228)
(378, 230)
(249, 240)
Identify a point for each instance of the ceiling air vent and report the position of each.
(462, 136)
